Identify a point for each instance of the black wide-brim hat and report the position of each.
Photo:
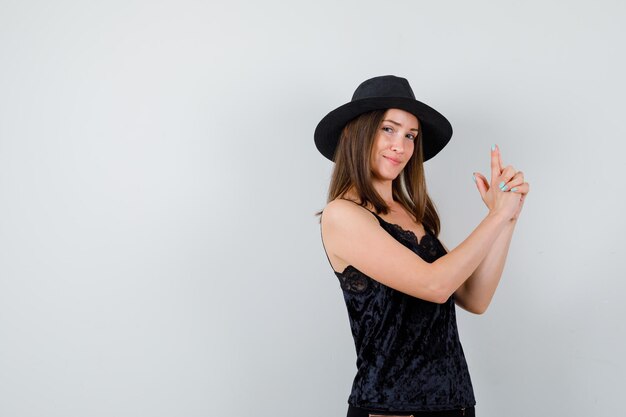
(378, 93)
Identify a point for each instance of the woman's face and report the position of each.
(393, 144)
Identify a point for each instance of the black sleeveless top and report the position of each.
(409, 356)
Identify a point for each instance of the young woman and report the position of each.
(380, 233)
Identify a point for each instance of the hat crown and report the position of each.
(384, 86)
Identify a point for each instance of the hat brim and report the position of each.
(436, 129)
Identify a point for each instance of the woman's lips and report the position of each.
(393, 161)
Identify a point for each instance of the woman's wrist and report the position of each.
(499, 216)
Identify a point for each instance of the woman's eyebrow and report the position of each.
(396, 123)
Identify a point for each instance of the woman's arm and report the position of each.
(354, 235)
(475, 294)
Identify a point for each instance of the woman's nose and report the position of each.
(397, 145)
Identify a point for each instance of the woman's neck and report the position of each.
(385, 191)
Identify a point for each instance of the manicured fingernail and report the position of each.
(493, 147)
(504, 188)
(501, 185)
(474, 176)
(514, 189)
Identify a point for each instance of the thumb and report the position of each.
(481, 183)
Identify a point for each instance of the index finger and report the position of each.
(496, 164)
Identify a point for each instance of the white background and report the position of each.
(159, 254)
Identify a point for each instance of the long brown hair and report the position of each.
(352, 169)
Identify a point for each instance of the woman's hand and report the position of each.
(512, 183)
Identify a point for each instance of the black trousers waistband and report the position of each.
(366, 412)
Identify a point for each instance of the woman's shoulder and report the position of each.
(339, 206)
(344, 225)
(350, 198)
(352, 204)
(344, 210)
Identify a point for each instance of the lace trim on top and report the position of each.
(427, 245)
(352, 280)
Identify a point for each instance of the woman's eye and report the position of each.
(411, 137)
(387, 127)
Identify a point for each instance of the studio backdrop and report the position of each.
(159, 252)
